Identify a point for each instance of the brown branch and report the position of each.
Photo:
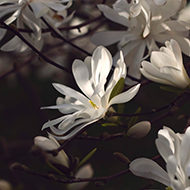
(23, 168)
(13, 30)
(65, 40)
(167, 106)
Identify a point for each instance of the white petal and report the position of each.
(11, 45)
(85, 171)
(53, 122)
(171, 166)
(160, 2)
(147, 168)
(82, 78)
(39, 9)
(51, 144)
(71, 93)
(125, 96)
(101, 64)
(112, 15)
(185, 148)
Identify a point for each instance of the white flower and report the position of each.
(147, 23)
(85, 171)
(28, 13)
(184, 14)
(90, 76)
(175, 149)
(167, 66)
(51, 144)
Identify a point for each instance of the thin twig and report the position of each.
(65, 40)
(13, 30)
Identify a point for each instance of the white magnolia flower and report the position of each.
(51, 144)
(184, 14)
(167, 66)
(92, 105)
(85, 171)
(147, 22)
(174, 149)
(28, 13)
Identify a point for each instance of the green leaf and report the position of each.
(54, 168)
(109, 124)
(172, 89)
(134, 119)
(118, 88)
(86, 158)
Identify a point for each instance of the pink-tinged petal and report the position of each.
(147, 168)
(82, 78)
(107, 38)
(125, 96)
(113, 15)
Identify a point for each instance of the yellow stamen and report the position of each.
(169, 188)
(93, 105)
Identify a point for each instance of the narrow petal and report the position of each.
(125, 96)
(71, 93)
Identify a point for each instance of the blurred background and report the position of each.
(26, 85)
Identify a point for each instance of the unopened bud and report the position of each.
(121, 157)
(99, 184)
(18, 166)
(5, 185)
(105, 136)
(52, 177)
(139, 130)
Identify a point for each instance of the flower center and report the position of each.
(93, 105)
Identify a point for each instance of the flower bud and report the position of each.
(49, 145)
(139, 130)
(5, 185)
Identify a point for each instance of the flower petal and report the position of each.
(147, 168)
(125, 96)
